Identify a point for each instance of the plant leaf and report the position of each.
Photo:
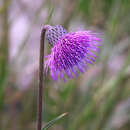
(50, 123)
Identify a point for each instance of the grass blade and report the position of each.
(50, 123)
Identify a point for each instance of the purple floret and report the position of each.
(71, 52)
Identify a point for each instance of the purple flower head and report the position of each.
(71, 52)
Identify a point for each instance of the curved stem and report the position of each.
(41, 80)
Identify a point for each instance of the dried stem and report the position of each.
(41, 79)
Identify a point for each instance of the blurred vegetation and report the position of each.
(98, 99)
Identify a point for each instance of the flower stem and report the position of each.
(41, 80)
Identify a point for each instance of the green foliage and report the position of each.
(51, 123)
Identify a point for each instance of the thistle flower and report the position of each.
(71, 52)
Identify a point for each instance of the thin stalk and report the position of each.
(41, 80)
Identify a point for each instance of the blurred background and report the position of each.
(97, 100)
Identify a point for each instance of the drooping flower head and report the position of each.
(71, 52)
